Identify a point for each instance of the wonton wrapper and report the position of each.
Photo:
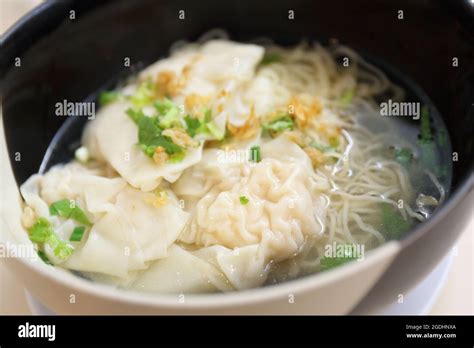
(113, 136)
(283, 209)
(128, 229)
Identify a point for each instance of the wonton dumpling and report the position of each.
(114, 136)
(243, 267)
(283, 208)
(134, 231)
(109, 248)
(181, 272)
(130, 227)
(223, 60)
(216, 66)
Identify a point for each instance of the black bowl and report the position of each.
(72, 49)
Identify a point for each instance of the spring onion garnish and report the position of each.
(60, 248)
(77, 234)
(243, 200)
(107, 97)
(68, 209)
(278, 125)
(42, 233)
(43, 257)
(255, 155)
(143, 96)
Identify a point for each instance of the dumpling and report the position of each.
(130, 227)
(137, 229)
(244, 267)
(181, 272)
(113, 136)
(283, 208)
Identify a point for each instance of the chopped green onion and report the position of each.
(279, 124)
(177, 157)
(107, 97)
(165, 105)
(143, 96)
(170, 119)
(77, 234)
(255, 155)
(67, 208)
(215, 131)
(40, 231)
(61, 249)
(243, 200)
(43, 257)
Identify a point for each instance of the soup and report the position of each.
(229, 166)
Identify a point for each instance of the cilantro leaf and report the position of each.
(393, 224)
(192, 125)
(404, 156)
(135, 115)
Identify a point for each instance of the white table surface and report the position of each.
(456, 297)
